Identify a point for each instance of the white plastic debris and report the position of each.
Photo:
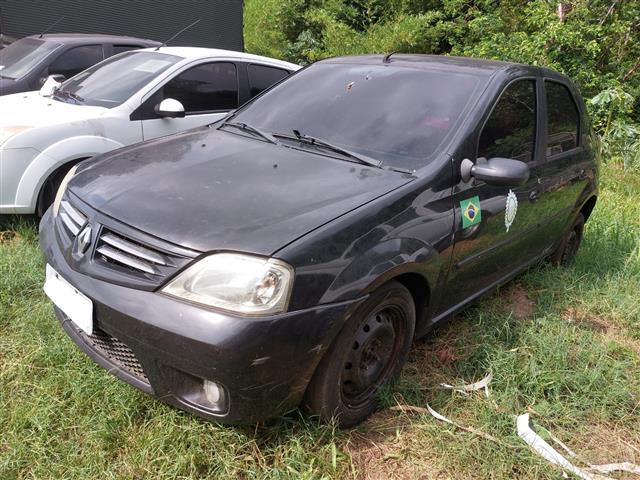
(461, 427)
(616, 467)
(545, 450)
(472, 387)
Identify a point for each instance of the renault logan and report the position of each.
(290, 253)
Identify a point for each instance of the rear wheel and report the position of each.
(570, 243)
(367, 356)
(50, 188)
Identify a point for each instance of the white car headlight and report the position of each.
(238, 283)
(7, 132)
(62, 189)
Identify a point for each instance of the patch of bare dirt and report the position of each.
(380, 453)
(586, 320)
(517, 301)
(607, 328)
(434, 359)
(605, 443)
(7, 235)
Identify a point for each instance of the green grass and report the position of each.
(563, 344)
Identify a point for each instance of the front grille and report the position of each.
(134, 258)
(71, 218)
(116, 351)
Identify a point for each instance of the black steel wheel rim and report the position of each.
(377, 345)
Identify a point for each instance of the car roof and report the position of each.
(195, 53)
(428, 62)
(73, 38)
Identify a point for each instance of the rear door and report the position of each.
(567, 163)
(207, 92)
(497, 227)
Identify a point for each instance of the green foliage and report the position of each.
(571, 359)
(597, 44)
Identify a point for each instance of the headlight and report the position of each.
(62, 189)
(238, 283)
(7, 132)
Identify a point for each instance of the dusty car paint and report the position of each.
(346, 228)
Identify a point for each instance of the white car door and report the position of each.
(206, 92)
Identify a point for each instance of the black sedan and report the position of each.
(26, 63)
(290, 253)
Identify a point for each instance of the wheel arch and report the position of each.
(409, 261)
(54, 157)
(588, 206)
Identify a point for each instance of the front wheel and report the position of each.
(367, 356)
(50, 188)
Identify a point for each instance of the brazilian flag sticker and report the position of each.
(471, 213)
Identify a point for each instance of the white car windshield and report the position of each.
(17, 59)
(111, 82)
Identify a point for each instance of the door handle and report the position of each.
(533, 196)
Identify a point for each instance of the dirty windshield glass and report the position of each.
(113, 81)
(21, 56)
(398, 115)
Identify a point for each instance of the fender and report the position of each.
(388, 260)
(53, 157)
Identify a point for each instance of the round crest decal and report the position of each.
(510, 210)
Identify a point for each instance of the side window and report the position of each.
(262, 77)
(563, 119)
(205, 88)
(510, 131)
(76, 60)
(125, 48)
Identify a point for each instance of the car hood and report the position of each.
(210, 190)
(30, 108)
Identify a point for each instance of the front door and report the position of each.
(206, 91)
(496, 227)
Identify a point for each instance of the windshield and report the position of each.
(111, 82)
(394, 114)
(17, 59)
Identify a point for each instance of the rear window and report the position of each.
(395, 114)
(125, 48)
(262, 77)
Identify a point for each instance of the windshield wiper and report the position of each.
(248, 128)
(68, 95)
(363, 159)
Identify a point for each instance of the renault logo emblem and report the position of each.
(83, 240)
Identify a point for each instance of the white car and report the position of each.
(128, 98)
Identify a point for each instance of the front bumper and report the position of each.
(165, 347)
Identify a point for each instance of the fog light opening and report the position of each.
(214, 395)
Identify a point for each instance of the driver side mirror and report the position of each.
(49, 84)
(170, 108)
(496, 171)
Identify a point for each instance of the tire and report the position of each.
(367, 356)
(50, 188)
(570, 243)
